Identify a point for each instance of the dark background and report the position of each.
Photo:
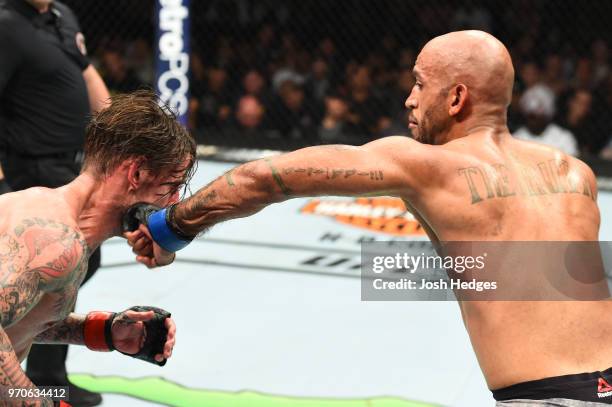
(282, 74)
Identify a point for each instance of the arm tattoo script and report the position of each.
(325, 173)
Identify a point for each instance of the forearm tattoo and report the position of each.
(187, 215)
(277, 178)
(229, 178)
(324, 173)
(68, 331)
(246, 189)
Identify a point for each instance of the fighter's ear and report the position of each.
(458, 98)
(137, 173)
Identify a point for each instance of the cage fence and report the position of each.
(281, 75)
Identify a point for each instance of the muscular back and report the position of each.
(510, 190)
(507, 190)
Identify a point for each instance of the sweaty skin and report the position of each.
(46, 237)
(466, 179)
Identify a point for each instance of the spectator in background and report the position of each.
(286, 65)
(396, 123)
(198, 74)
(318, 80)
(225, 56)
(538, 107)
(264, 48)
(211, 101)
(140, 56)
(287, 72)
(578, 118)
(366, 110)
(375, 69)
(398, 95)
(118, 77)
(249, 118)
(583, 77)
(529, 74)
(333, 129)
(553, 75)
(383, 78)
(290, 114)
(254, 84)
(328, 50)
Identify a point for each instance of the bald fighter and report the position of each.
(466, 179)
(135, 151)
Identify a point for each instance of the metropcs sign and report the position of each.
(172, 81)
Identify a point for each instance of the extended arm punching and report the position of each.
(388, 166)
(373, 169)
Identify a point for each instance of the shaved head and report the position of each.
(475, 58)
(460, 75)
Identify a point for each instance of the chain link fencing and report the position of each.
(278, 74)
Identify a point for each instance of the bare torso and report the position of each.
(39, 234)
(507, 190)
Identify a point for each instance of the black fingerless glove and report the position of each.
(137, 214)
(155, 334)
(160, 224)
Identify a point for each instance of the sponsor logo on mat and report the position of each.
(386, 215)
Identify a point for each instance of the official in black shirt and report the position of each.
(48, 88)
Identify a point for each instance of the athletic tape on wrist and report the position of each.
(163, 234)
(97, 333)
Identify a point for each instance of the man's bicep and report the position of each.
(406, 160)
(376, 168)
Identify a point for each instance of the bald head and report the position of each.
(464, 81)
(474, 58)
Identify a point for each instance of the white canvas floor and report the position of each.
(253, 317)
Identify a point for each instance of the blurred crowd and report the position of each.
(340, 73)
